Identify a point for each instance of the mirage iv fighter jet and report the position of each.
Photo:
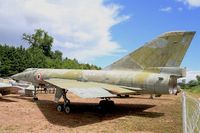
(152, 69)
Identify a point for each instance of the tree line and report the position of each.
(39, 54)
(191, 83)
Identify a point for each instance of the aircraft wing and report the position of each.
(90, 89)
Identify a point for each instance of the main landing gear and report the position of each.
(106, 104)
(66, 106)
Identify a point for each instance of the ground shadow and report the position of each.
(6, 100)
(21, 97)
(88, 113)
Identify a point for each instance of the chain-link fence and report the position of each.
(191, 114)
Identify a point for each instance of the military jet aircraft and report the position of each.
(8, 88)
(12, 87)
(152, 69)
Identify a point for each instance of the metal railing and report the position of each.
(191, 114)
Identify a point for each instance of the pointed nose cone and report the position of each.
(15, 77)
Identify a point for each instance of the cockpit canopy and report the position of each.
(30, 69)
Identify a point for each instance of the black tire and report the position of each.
(126, 95)
(158, 95)
(35, 99)
(67, 109)
(111, 103)
(102, 102)
(59, 108)
(106, 105)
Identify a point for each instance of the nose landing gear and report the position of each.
(35, 98)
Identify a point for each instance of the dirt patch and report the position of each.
(135, 114)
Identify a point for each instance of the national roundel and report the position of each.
(38, 76)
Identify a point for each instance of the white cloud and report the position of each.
(81, 28)
(190, 75)
(192, 3)
(166, 9)
(180, 9)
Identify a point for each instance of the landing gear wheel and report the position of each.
(126, 95)
(35, 99)
(106, 105)
(67, 109)
(59, 107)
(102, 103)
(110, 103)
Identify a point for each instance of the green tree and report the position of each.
(12, 60)
(57, 55)
(39, 55)
(40, 39)
(198, 79)
(36, 58)
(193, 83)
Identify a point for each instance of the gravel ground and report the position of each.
(137, 114)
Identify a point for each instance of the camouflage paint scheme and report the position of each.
(151, 69)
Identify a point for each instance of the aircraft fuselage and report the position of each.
(152, 83)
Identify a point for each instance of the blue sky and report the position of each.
(148, 21)
(101, 31)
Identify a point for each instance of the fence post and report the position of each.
(184, 112)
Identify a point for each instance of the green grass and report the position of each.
(195, 91)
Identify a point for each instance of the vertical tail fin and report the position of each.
(166, 50)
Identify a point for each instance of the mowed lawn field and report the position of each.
(137, 114)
